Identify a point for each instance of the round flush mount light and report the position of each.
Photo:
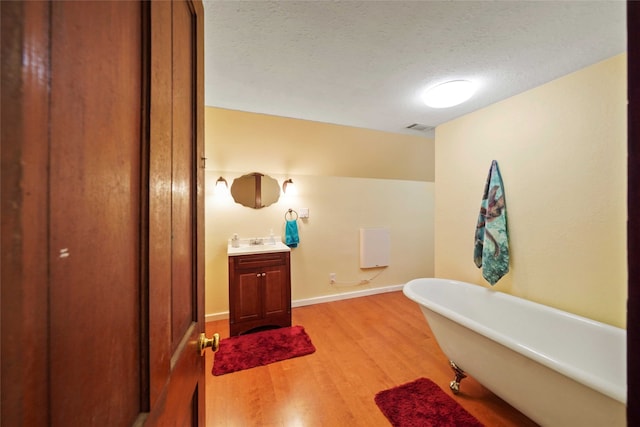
(449, 94)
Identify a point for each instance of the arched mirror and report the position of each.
(255, 190)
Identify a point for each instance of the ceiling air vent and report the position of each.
(421, 128)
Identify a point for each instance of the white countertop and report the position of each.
(246, 248)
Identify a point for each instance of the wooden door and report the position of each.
(176, 214)
(102, 213)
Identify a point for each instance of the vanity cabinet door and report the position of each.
(259, 292)
(247, 299)
(277, 300)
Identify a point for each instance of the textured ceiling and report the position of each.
(365, 63)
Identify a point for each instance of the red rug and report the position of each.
(422, 403)
(261, 348)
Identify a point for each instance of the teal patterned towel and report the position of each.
(491, 252)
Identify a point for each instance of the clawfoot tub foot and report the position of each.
(455, 384)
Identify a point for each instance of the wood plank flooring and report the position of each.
(363, 346)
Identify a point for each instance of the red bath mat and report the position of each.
(422, 403)
(261, 348)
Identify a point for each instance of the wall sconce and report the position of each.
(221, 186)
(289, 188)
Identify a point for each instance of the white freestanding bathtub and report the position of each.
(557, 368)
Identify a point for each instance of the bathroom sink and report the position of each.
(256, 246)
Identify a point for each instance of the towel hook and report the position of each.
(290, 212)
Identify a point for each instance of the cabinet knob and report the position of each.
(258, 275)
(264, 274)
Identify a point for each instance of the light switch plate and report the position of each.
(304, 212)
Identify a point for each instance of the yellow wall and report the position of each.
(347, 177)
(561, 148)
(246, 142)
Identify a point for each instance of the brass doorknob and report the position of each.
(204, 342)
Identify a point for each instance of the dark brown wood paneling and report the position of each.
(160, 200)
(24, 122)
(183, 180)
(95, 213)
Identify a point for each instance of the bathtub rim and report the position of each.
(608, 388)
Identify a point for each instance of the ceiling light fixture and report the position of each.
(449, 94)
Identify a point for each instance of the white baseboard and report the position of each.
(216, 316)
(346, 295)
(319, 300)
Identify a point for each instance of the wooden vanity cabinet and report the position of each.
(259, 292)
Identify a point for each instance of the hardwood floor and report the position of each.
(363, 346)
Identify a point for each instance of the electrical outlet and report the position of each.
(332, 277)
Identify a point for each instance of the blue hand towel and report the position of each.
(491, 252)
(291, 237)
